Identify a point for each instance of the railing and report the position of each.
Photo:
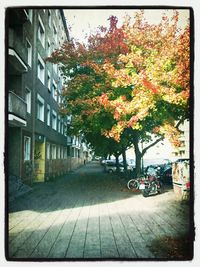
(16, 105)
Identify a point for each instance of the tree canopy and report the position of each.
(133, 78)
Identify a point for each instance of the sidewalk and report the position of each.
(90, 215)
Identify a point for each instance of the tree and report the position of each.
(133, 79)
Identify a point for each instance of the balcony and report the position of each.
(16, 64)
(17, 16)
(17, 110)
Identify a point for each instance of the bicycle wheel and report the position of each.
(132, 184)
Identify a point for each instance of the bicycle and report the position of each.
(134, 183)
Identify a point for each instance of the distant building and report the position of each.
(184, 150)
(38, 145)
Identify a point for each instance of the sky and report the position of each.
(84, 21)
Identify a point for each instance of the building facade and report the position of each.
(183, 152)
(38, 145)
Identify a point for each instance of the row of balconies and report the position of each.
(17, 115)
(17, 107)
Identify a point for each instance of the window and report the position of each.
(28, 100)
(55, 33)
(59, 124)
(73, 152)
(41, 69)
(68, 151)
(27, 148)
(62, 153)
(48, 115)
(29, 50)
(61, 127)
(65, 153)
(49, 18)
(30, 14)
(41, 32)
(40, 108)
(53, 152)
(65, 129)
(58, 153)
(48, 151)
(48, 48)
(49, 81)
(54, 88)
(59, 97)
(55, 67)
(54, 120)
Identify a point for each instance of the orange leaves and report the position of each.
(104, 100)
(137, 75)
(150, 86)
(132, 121)
(170, 132)
(115, 131)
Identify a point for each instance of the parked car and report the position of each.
(130, 165)
(166, 174)
(111, 166)
(103, 162)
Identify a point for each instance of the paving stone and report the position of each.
(87, 214)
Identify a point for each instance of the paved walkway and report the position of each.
(90, 214)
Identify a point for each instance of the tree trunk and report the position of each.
(117, 162)
(138, 155)
(124, 160)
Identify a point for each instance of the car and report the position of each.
(166, 174)
(130, 165)
(111, 166)
(103, 162)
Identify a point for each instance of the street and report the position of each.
(90, 214)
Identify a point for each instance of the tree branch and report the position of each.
(160, 138)
(152, 144)
(179, 123)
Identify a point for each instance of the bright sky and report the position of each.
(83, 21)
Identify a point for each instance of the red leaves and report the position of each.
(113, 22)
(150, 86)
(104, 100)
(143, 61)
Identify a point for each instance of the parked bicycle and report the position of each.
(135, 183)
(148, 184)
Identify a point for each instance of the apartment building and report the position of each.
(37, 142)
(183, 152)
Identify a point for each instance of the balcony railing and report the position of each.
(16, 65)
(16, 106)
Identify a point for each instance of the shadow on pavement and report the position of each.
(88, 183)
